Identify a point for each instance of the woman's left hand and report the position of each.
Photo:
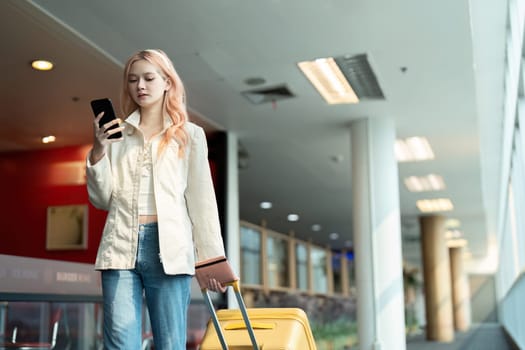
(216, 286)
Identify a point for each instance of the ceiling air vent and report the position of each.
(271, 94)
(358, 71)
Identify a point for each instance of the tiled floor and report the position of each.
(487, 336)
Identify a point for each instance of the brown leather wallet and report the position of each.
(218, 268)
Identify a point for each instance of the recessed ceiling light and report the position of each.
(265, 205)
(330, 82)
(434, 205)
(333, 236)
(316, 227)
(42, 65)
(431, 182)
(348, 244)
(413, 149)
(293, 217)
(48, 139)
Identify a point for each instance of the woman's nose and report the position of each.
(140, 84)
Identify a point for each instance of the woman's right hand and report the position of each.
(101, 137)
(216, 286)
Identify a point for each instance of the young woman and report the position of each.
(156, 185)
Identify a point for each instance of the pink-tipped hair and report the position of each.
(174, 104)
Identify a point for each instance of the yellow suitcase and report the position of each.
(274, 329)
(245, 329)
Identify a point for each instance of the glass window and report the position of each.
(320, 281)
(277, 262)
(301, 256)
(336, 268)
(518, 173)
(250, 256)
(351, 268)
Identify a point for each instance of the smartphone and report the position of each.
(105, 105)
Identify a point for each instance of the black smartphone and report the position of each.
(105, 105)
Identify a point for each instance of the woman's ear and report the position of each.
(168, 84)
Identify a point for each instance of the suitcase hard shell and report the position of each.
(274, 328)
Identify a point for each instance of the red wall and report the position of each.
(29, 183)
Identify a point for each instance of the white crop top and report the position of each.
(146, 198)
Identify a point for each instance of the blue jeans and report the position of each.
(167, 299)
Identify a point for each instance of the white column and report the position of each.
(377, 235)
(233, 244)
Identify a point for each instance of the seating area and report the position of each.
(32, 336)
(41, 325)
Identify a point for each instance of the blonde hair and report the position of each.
(174, 104)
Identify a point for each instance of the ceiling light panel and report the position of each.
(431, 182)
(329, 81)
(413, 149)
(453, 234)
(452, 224)
(457, 243)
(434, 205)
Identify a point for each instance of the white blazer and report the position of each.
(188, 219)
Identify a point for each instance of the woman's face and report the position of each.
(146, 84)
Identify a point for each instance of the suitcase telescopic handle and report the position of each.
(237, 289)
